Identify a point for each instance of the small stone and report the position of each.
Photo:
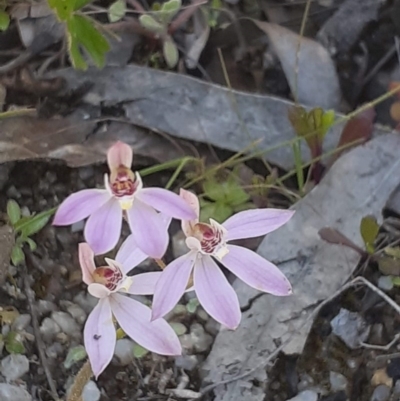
(21, 322)
(179, 247)
(350, 327)
(14, 366)
(45, 307)
(306, 381)
(201, 340)
(212, 326)
(187, 362)
(85, 173)
(49, 329)
(381, 377)
(66, 323)
(354, 363)
(124, 351)
(54, 350)
(385, 283)
(91, 392)
(307, 395)
(381, 393)
(78, 226)
(338, 381)
(13, 393)
(86, 301)
(75, 311)
(202, 314)
(396, 389)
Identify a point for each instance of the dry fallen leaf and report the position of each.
(317, 83)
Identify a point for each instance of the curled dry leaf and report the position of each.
(196, 41)
(314, 82)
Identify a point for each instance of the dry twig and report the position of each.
(35, 323)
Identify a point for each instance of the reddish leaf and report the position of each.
(357, 131)
(334, 236)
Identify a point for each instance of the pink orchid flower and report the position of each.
(208, 242)
(109, 283)
(124, 195)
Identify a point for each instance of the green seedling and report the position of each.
(223, 198)
(158, 23)
(82, 33)
(24, 227)
(117, 10)
(369, 229)
(312, 126)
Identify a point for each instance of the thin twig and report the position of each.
(36, 330)
(382, 347)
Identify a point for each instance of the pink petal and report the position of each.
(129, 255)
(98, 290)
(254, 223)
(166, 202)
(172, 284)
(134, 319)
(100, 337)
(120, 154)
(86, 260)
(80, 205)
(255, 271)
(193, 201)
(148, 229)
(103, 227)
(215, 293)
(144, 283)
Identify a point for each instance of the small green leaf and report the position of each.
(83, 33)
(395, 252)
(171, 6)
(149, 23)
(75, 354)
(369, 229)
(35, 223)
(233, 192)
(17, 256)
(13, 342)
(179, 328)
(212, 189)
(244, 206)
(170, 52)
(117, 10)
(13, 211)
(4, 20)
(80, 3)
(62, 8)
(139, 351)
(168, 11)
(389, 266)
(192, 305)
(32, 244)
(396, 281)
(312, 126)
(218, 211)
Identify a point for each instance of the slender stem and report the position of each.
(80, 381)
(160, 263)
